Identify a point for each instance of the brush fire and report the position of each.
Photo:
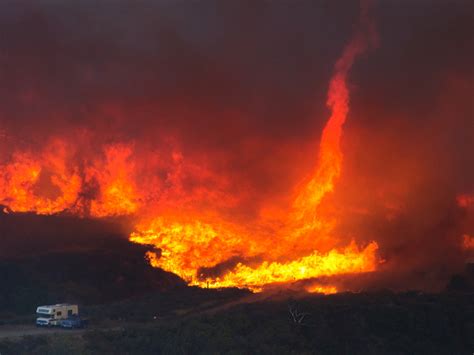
(222, 204)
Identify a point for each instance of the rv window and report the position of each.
(58, 314)
(41, 315)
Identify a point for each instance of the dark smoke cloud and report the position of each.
(242, 85)
(254, 62)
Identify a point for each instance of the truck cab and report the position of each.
(51, 315)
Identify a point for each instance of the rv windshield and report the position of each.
(48, 316)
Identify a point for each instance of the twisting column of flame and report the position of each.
(330, 155)
(180, 241)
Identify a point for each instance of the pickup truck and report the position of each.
(73, 323)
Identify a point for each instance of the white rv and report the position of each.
(49, 316)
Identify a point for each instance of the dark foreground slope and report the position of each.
(375, 323)
(114, 271)
(94, 277)
(49, 259)
(185, 320)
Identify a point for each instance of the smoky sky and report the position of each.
(247, 80)
(210, 70)
(203, 67)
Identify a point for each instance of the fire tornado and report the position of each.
(245, 161)
(187, 247)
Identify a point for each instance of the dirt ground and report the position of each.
(24, 330)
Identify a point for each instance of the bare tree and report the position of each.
(296, 315)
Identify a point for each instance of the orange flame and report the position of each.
(188, 247)
(118, 193)
(349, 260)
(326, 290)
(50, 182)
(44, 184)
(204, 248)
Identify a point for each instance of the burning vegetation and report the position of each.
(185, 248)
(207, 220)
